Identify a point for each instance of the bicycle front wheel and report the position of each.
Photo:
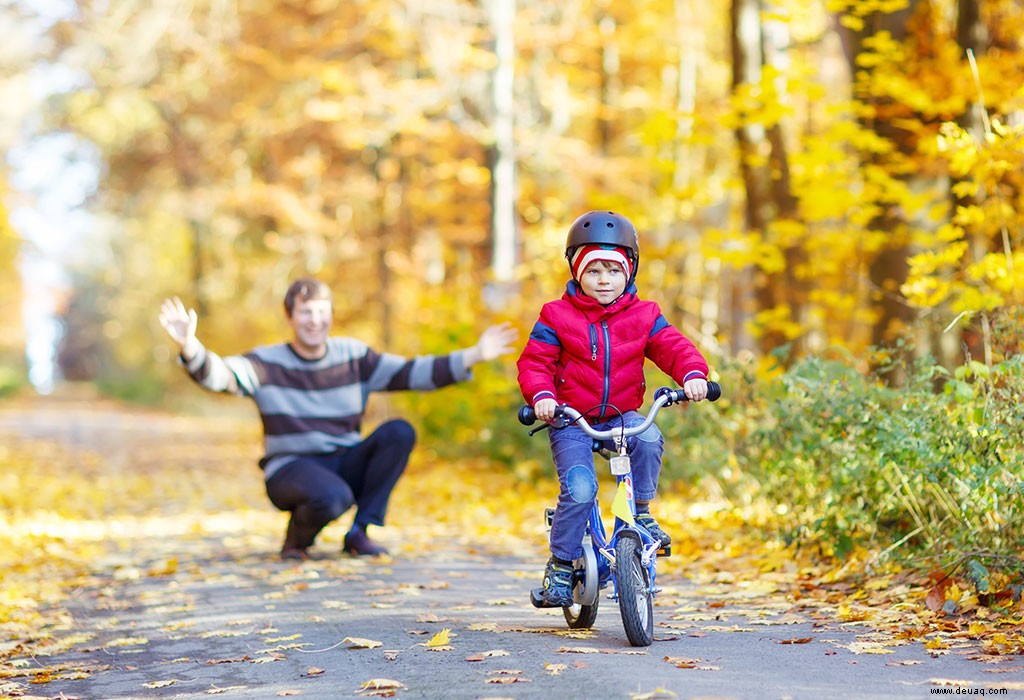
(633, 586)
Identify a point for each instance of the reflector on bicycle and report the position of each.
(619, 465)
(620, 506)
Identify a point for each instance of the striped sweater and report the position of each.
(317, 406)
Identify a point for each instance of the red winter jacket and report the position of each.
(583, 354)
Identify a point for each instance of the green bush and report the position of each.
(824, 455)
(134, 387)
(854, 461)
(11, 382)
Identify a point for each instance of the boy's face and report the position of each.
(603, 280)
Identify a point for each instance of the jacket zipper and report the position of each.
(593, 342)
(606, 392)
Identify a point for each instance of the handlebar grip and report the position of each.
(527, 416)
(677, 395)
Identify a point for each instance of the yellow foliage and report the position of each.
(777, 320)
(995, 272)
(929, 262)
(787, 232)
(926, 292)
(835, 300)
(852, 22)
(821, 201)
(949, 232)
(968, 216)
(973, 300)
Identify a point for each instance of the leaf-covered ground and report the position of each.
(86, 482)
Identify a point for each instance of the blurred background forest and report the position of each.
(829, 194)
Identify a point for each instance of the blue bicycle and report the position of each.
(628, 558)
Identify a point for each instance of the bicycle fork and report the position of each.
(624, 510)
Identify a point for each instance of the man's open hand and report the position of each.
(180, 324)
(494, 342)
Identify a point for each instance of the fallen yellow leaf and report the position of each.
(578, 650)
(656, 694)
(440, 639)
(682, 662)
(381, 684)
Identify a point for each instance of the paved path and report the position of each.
(245, 625)
(180, 616)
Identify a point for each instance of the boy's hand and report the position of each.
(696, 389)
(545, 409)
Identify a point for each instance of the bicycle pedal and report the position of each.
(665, 551)
(537, 599)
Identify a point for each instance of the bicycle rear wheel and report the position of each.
(581, 617)
(633, 585)
(585, 589)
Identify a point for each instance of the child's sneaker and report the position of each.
(557, 589)
(652, 526)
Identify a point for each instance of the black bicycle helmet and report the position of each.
(604, 228)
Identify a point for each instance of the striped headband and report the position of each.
(586, 254)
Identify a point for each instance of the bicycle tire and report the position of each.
(633, 586)
(585, 590)
(580, 617)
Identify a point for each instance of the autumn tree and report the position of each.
(770, 207)
(406, 152)
(867, 32)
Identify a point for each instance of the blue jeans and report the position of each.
(572, 450)
(318, 489)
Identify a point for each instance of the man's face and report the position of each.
(311, 325)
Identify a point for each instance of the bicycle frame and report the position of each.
(628, 556)
(603, 545)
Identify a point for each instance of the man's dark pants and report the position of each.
(318, 489)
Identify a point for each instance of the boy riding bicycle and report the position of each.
(587, 350)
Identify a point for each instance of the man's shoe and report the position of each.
(296, 553)
(652, 526)
(557, 589)
(358, 544)
(290, 548)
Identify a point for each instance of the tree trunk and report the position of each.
(972, 37)
(609, 84)
(503, 178)
(888, 270)
(766, 180)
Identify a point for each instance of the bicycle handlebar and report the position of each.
(664, 396)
